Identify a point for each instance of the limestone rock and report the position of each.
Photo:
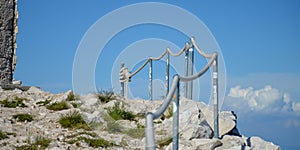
(194, 128)
(256, 143)
(34, 90)
(208, 144)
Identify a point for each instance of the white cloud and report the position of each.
(265, 99)
(296, 107)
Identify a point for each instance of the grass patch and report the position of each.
(92, 134)
(96, 143)
(164, 142)
(168, 113)
(23, 117)
(113, 127)
(118, 113)
(3, 135)
(137, 133)
(40, 143)
(57, 106)
(73, 120)
(105, 96)
(17, 102)
(43, 103)
(71, 97)
(75, 105)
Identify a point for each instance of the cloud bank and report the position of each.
(265, 100)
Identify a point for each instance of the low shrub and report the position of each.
(118, 113)
(17, 102)
(105, 96)
(3, 135)
(75, 105)
(40, 143)
(71, 97)
(23, 117)
(73, 120)
(96, 143)
(57, 106)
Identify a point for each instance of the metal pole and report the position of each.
(215, 97)
(176, 118)
(167, 73)
(150, 79)
(150, 139)
(186, 69)
(191, 72)
(127, 82)
(122, 83)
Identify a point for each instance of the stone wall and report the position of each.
(8, 29)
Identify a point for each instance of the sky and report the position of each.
(258, 41)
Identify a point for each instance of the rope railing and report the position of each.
(150, 116)
(125, 76)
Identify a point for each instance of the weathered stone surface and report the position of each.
(208, 144)
(8, 26)
(195, 132)
(256, 143)
(232, 142)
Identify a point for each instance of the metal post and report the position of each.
(186, 69)
(127, 82)
(122, 83)
(176, 118)
(150, 139)
(215, 97)
(167, 73)
(191, 72)
(150, 79)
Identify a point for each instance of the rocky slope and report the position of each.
(109, 122)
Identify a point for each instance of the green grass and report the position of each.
(113, 127)
(167, 114)
(105, 96)
(23, 117)
(71, 97)
(118, 113)
(17, 102)
(92, 134)
(75, 105)
(3, 135)
(43, 103)
(93, 142)
(57, 106)
(137, 133)
(96, 143)
(40, 143)
(73, 120)
(164, 142)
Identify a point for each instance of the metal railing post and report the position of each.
(122, 83)
(127, 88)
(186, 69)
(150, 79)
(191, 72)
(215, 98)
(150, 139)
(176, 117)
(167, 73)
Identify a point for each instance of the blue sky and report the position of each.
(259, 41)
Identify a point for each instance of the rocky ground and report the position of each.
(34, 119)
